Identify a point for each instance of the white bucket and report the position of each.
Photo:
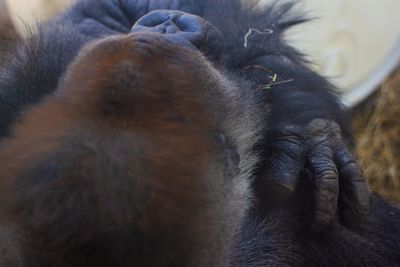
(354, 43)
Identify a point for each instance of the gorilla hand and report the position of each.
(318, 153)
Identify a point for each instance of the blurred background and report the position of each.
(354, 43)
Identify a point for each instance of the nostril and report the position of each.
(171, 29)
(160, 28)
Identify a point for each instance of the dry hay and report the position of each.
(377, 129)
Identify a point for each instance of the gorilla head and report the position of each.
(135, 149)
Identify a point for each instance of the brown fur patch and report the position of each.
(128, 141)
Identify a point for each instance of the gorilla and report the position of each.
(179, 133)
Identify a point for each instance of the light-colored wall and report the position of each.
(29, 12)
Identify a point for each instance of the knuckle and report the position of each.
(288, 131)
(318, 123)
(353, 170)
(329, 188)
(328, 175)
(335, 127)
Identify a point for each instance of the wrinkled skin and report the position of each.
(179, 27)
(317, 153)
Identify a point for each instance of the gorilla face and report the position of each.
(130, 144)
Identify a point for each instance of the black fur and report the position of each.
(277, 240)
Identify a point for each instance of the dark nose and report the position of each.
(183, 28)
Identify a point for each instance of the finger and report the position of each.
(355, 194)
(286, 162)
(326, 179)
